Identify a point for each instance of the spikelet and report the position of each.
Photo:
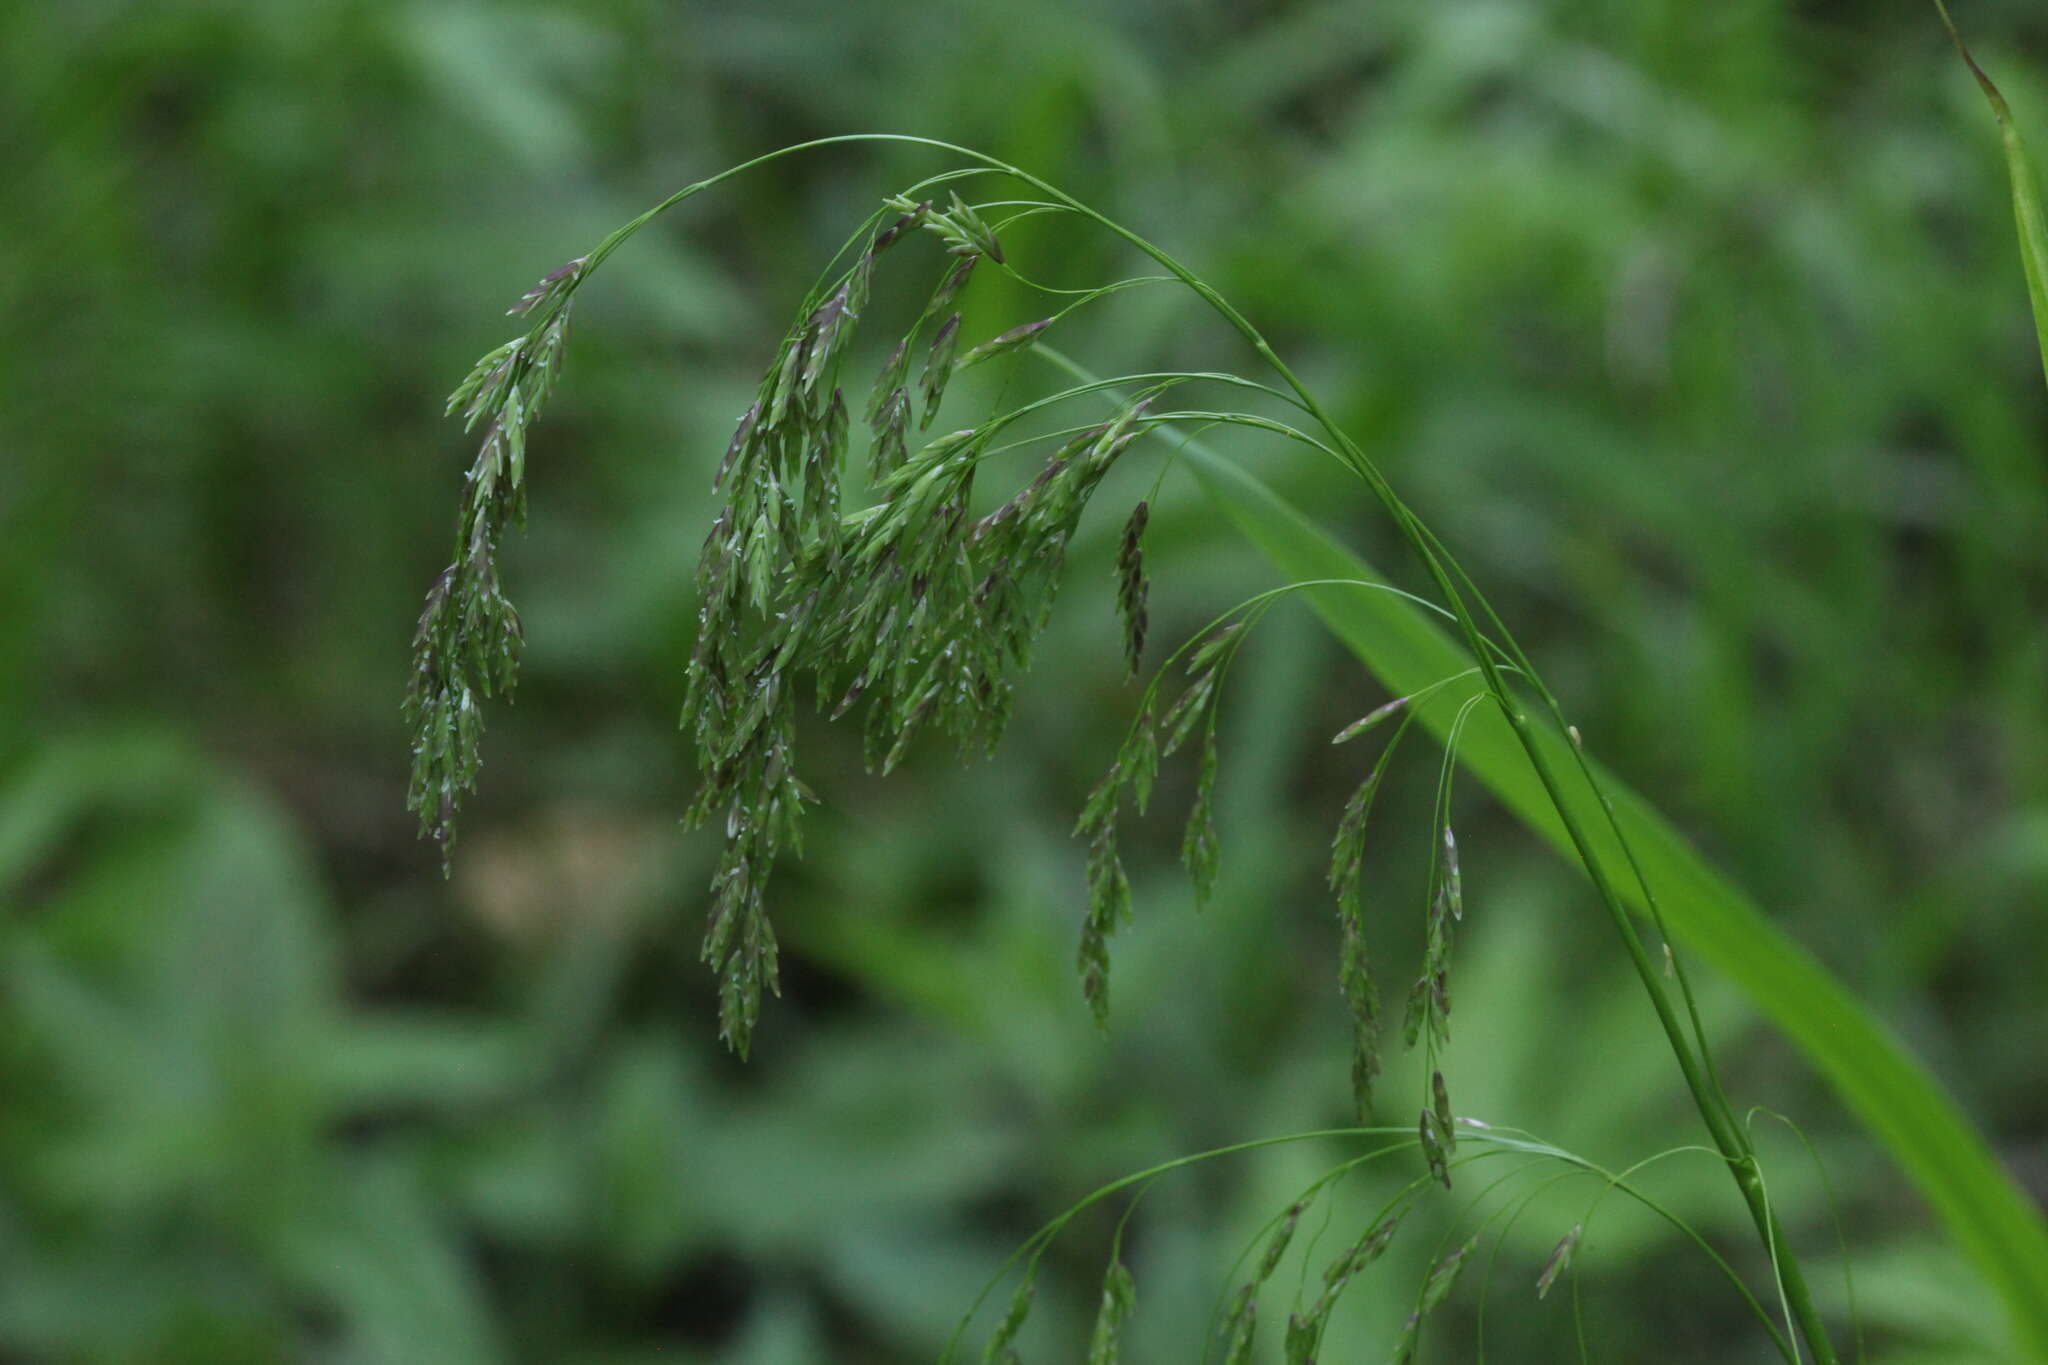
(1119, 1300)
(1560, 1259)
(1305, 1329)
(1011, 340)
(1433, 1147)
(1240, 1323)
(1371, 720)
(1002, 1342)
(1132, 588)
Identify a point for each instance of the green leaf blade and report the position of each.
(2026, 195)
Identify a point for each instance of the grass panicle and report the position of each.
(908, 607)
(905, 605)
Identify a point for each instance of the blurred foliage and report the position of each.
(1699, 330)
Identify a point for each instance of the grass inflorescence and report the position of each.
(890, 595)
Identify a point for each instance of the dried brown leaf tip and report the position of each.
(1131, 586)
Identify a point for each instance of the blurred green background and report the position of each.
(1697, 330)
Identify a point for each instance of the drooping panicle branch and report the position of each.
(466, 647)
(910, 607)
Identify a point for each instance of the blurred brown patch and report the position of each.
(572, 866)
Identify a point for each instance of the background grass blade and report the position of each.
(2026, 196)
(1986, 1213)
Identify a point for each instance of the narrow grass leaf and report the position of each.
(2026, 196)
